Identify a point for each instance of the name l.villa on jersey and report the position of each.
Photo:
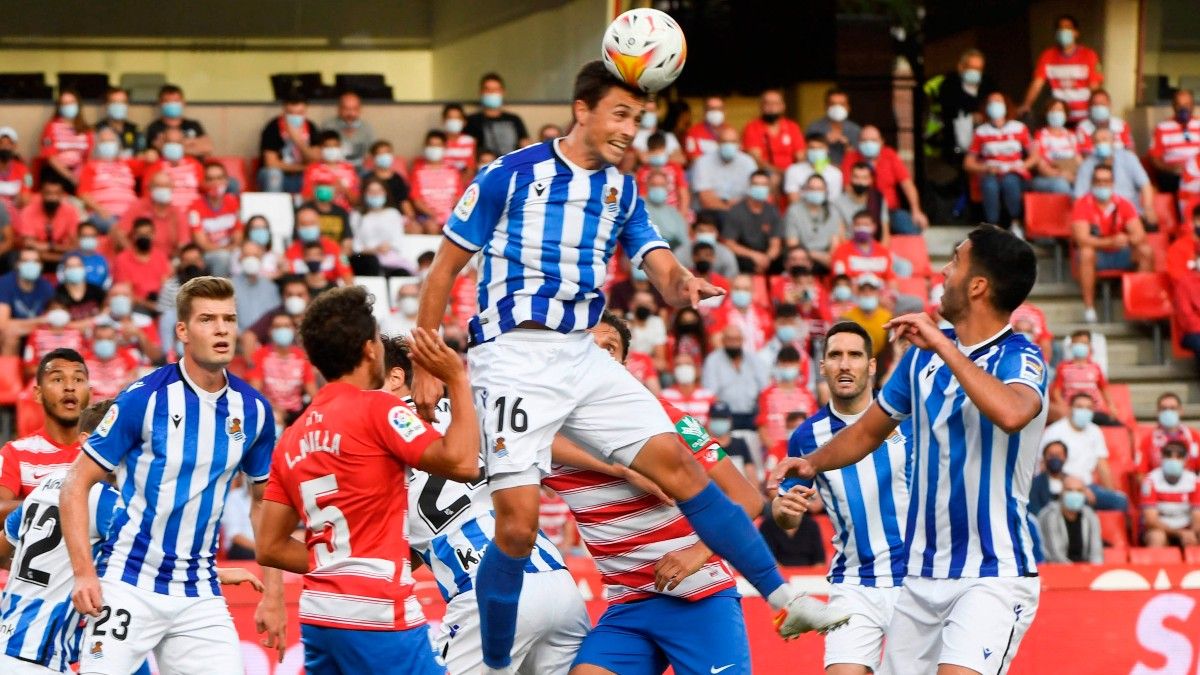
(315, 441)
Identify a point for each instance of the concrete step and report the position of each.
(1147, 411)
(1145, 394)
(1177, 371)
(1129, 352)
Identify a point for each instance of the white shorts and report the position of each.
(973, 623)
(861, 640)
(15, 666)
(551, 623)
(187, 635)
(532, 384)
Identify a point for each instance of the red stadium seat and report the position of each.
(826, 527)
(1120, 449)
(30, 415)
(1191, 555)
(1124, 402)
(1158, 242)
(11, 379)
(1146, 296)
(1112, 528)
(1166, 555)
(1166, 209)
(1048, 216)
(1116, 555)
(912, 248)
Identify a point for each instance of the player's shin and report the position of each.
(501, 573)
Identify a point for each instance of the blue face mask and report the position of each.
(996, 110)
(492, 101)
(1104, 150)
(260, 236)
(108, 150)
(1054, 465)
(1081, 417)
(1099, 113)
(1065, 37)
(120, 306)
(787, 374)
(816, 156)
(870, 149)
(309, 233)
(658, 159)
(842, 293)
(868, 303)
(741, 299)
(1073, 500)
(104, 349)
(1102, 193)
(1169, 419)
(1079, 350)
(1172, 467)
(1056, 119)
(88, 244)
(172, 109)
(161, 195)
(384, 160)
(172, 152)
(68, 111)
(282, 336)
(117, 110)
(706, 238)
(74, 275)
(638, 274)
(29, 270)
(972, 77)
(719, 426)
(295, 121)
(657, 195)
(813, 197)
(649, 120)
(759, 193)
(786, 333)
(728, 151)
(375, 201)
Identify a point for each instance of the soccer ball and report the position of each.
(644, 48)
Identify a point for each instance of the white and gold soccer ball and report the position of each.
(645, 48)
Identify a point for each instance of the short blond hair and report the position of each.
(201, 288)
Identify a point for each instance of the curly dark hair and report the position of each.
(335, 326)
(395, 355)
(618, 324)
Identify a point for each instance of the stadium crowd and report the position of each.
(802, 227)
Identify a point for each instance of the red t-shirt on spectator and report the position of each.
(109, 378)
(186, 178)
(44, 340)
(72, 148)
(676, 181)
(1148, 454)
(1081, 378)
(701, 139)
(283, 376)
(331, 265)
(1003, 147)
(437, 186)
(1104, 222)
(170, 228)
(774, 404)
(33, 224)
(110, 183)
(697, 404)
(1174, 143)
(642, 367)
(890, 172)
(464, 299)
(460, 152)
(219, 224)
(341, 174)
(1086, 129)
(146, 276)
(779, 149)
(1181, 257)
(15, 180)
(1071, 77)
(756, 323)
(852, 261)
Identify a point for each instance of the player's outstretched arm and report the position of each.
(678, 286)
(848, 447)
(73, 507)
(435, 294)
(456, 455)
(274, 545)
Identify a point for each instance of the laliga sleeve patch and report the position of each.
(466, 203)
(106, 424)
(1032, 369)
(405, 423)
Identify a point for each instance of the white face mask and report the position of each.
(409, 305)
(251, 266)
(294, 305)
(685, 374)
(715, 118)
(454, 125)
(58, 318)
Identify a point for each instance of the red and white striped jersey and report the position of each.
(61, 140)
(1173, 501)
(26, 461)
(1189, 181)
(1056, 147)
(218, 224)
(1071, 77)
(342, 467)
(1002, 147)
(186, 178)
(110, 183)
(697, 404)
(1085, 130)
(1175, 143)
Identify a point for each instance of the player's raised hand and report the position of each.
(698, 289)
(919, 328)
(679, 565)
(236, 576)
(434, 363)
(794, 502)
(790, 467)
(87, 597)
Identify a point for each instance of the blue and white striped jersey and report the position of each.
(547, 229)
(969, 492)
(868, 502)
(451, 524)
(38, 623)
(176, 448)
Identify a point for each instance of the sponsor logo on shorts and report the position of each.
(405, 422)
(106, 424)
(97, 651)
(499, 449)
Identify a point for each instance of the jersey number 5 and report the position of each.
(325, 520)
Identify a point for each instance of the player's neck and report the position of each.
(980, 324)
(574, 150)
(211, 381)
(60, 433)
(853, 406)
(359, 378)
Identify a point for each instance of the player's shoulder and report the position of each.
(33, 443)
(521, 158)
(804, 439)
(1017, 343)
(242, 387)
(146, 386)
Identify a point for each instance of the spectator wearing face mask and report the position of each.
(258, 230)
(15, 179)
(1069, 528)
(403, 317)
(116, 119)
(81, 299)
(493, 127)
(753, 228)
(1168, 429)
(286, 145)
(960, 99)
(1047, 483)
(658, 159)
(772, 139)
(706, 231)
(460, 147)
(111, 367)
(620, 296)
(24, 294)
(187, 174)
(863, 254)
(66, 142)
(1100, 117)
(722, 178)
(135, 328)
(687, 336)
(53, 331)
(1108, 235)
(1129, 178)
(1176, 140)
(296, 297)
(790, 331)
(703, 257)
(860, 195)
(170, 229)
(1171, 501)
(1001, 155)
(436, 185)
(378, 234)
(647, 127)
(254, 294)
(356, 133)
(1079, 373)
(331, 170)
(1058, 153)
(686, 394)
(868, 310)
(891, 179)
(282, 371)
(813, 223)
(840, 132)
(87, 247)
(754, 322)
(1072, 70)
(736, 376)
(213, 219)
(1087, 454)
(665, 216)
(312, 266)
(389, 168)
(333, 221)
(196, 142)
(142, 265)
(841, 295)
(649, 332)
(787, 394)
(815, 161)
(702, 137)
(1039, 332)
(107, 183)
(48, 222)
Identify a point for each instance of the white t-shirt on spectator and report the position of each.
(642, 137)
(647, 336)
(235, 519)
(1085, 448)
(796, 174)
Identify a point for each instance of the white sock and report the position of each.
(780, 597)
